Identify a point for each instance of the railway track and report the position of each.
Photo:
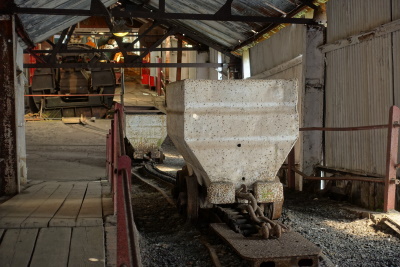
(167, 238)
(289, 250)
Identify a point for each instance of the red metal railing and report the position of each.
(118, 168)
(391, 158)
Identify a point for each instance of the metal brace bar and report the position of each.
(225, 11)
(148, 50)
(144, 34)
(309, 3)
(51, 43)
(86, 51)
(123, 65)
(70, 32)
(58, 46)
(161, 6)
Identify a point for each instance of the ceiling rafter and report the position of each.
(123, 65)
(219, 16)
(153, 46)
(309, 3)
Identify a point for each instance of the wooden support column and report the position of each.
(389, 202)
(179, 60)
(291, 180)
(8, 130)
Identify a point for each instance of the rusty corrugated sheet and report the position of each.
(40, 27)
(359, 92)
(346, 17)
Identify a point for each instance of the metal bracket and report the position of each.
(226, 10)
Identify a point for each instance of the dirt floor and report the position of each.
(59, 152)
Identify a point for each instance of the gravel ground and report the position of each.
(173, 160)
(345, 238)
(167, 239)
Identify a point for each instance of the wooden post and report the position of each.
(291, 174)
(391, 160)
(8, 130)
(179, 60)
(158, 83)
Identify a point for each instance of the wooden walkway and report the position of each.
(54, 224)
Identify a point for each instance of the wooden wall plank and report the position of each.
(15, 217)
(52, 247)
(17, 246)
(18, 200)
(67, 214)
(41, 216)
(91, 213)
(87, 247)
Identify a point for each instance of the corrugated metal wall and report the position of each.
(349, 17)
(217, 57)
(283, 47)
(396, 53)
(212, 73)
(358, 92)
(359, 85)
(265, 56)
(362, 82)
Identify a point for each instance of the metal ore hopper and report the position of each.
(146, 130)
(234, 132)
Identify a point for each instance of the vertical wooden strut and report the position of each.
(391, 159)
(179, 60)
(8, 130)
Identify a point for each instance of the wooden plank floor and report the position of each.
(53, 224)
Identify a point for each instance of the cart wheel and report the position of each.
(180, 184)
(273, 210)
(192, 198)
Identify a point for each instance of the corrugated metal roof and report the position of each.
(41, 27)
(226, 33)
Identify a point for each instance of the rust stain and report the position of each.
(366, 37)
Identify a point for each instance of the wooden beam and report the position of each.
(179, 60)
(362, 37)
